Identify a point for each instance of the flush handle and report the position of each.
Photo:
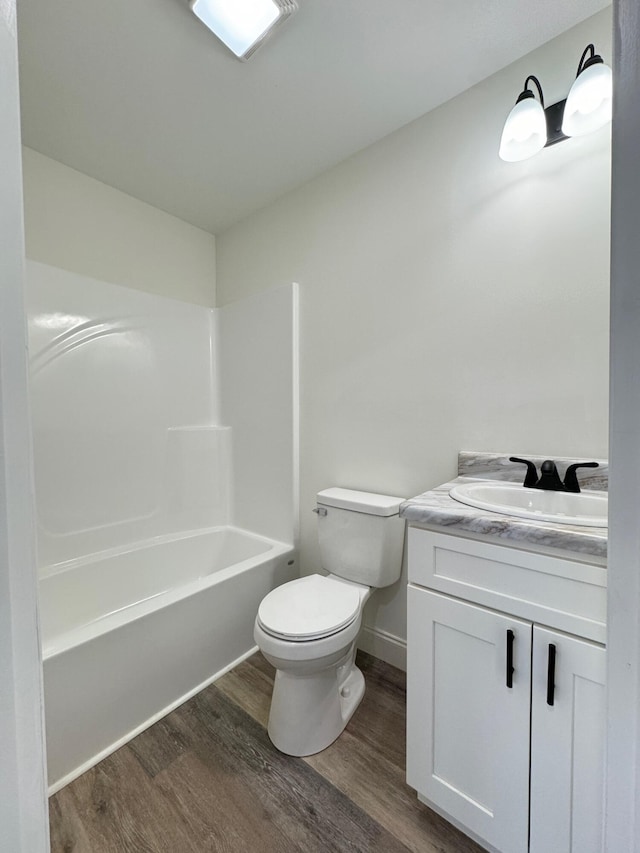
(320, 510)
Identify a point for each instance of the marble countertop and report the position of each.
(437, 508)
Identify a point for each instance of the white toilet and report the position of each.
(307, 628)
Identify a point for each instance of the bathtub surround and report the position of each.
(448, 300)
(258, 344)
(144, 408)
(147, 549)
(81, 225)
(125, 448)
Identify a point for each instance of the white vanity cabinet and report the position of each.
(506, 707)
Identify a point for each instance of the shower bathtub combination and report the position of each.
(165, 461)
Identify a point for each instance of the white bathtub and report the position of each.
(130, 635)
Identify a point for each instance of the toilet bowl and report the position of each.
(307, 628)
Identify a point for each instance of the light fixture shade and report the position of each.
(589, 103)
(242, 24)
(525, 131)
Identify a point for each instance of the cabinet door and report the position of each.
(567, 744)
(467, 730)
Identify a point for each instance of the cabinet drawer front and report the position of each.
(564, 594)
(467, 730)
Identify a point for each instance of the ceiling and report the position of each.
(140, 95)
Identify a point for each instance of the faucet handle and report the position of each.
(571, 483)
(531, 477)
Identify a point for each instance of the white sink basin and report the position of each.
(586, 509)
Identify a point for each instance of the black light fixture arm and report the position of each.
(592, 60)
(527, 93)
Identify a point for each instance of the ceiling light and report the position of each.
(525, 130)
(243, 25)
(589, 103)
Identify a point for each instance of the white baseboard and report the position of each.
(385, 646)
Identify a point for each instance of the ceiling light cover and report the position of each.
(243, 25)
(589, 104)
(525, 130)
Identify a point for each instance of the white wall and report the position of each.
(79, 224)
(23, 804)
(448, 300)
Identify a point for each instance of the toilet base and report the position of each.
(308, 712)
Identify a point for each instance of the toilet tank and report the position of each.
(361, 536)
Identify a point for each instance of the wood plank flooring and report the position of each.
(207, 778)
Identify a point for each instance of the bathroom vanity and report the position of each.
(506, 672)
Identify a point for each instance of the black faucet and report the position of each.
(531, 477)
(571, 483)
(549, 477)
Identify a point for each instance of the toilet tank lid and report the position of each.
(366, 502)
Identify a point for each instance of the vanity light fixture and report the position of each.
(525, 130)
(589, 103)
(243, 25)
(530, 126)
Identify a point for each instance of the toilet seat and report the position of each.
(309, 608)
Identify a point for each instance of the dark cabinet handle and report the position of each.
(510, 668)
(551, 675)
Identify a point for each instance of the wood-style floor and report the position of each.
(206, 778)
